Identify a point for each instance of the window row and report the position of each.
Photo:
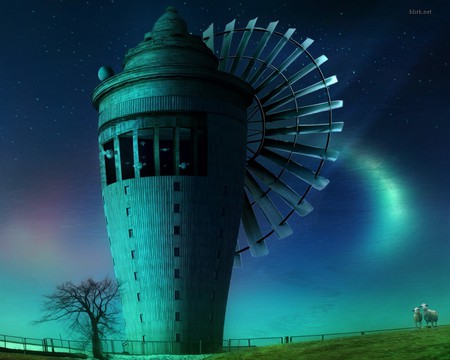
(127, 189)
(159, 151)
(176, 275)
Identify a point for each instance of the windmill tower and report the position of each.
(180, 168)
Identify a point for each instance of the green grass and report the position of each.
(414, 344)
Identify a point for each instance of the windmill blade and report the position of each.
(252, 229)
(281, 228)
(304, 110)
(225, 51)
(290, 59)
(308, 90)
(243, 45)
(289, 196)
(297, 76)
(305, 129)
(311, 151)
(262, 43)
(276, 50)
(208, 37)
(303, 173)
(237, 260)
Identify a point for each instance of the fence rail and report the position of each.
(166, 347)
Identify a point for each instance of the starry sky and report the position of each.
(377, 243)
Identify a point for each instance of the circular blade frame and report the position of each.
(258, 113)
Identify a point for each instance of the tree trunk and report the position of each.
(96, 344)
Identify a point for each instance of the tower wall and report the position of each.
(157, 281)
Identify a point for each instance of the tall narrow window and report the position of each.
(141, 317)
(110, 162)
(177, 273)
(138, 295)
(177, 337)
(135, 275)
(146, 152)
(133, 254)
(177, 294)
(186, 164)
(177, 316)
(166, 153)
(126, 155)
(201, 150)
(127, 190)
(128, 211)
(130, 233)
(176, 230)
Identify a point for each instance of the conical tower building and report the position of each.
(172, 137)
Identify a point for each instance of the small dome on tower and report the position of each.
(105, 72)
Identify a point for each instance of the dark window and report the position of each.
(177, 316)
(146, 153)
(213, 296)
(141, 317)
(128, 211)
(216, 274)
(219, 253)
(176, 208)
(221, 233)
(201, 152)
(176, 230)
(177, 273)
(126, 155)
(176, 186)
(176, 251)
(110, 162)
(177, 337)
(186, 163)
(177, 294)
(127, 190)
(133, 254)
(138, 296)
(130, 233)
(166, 153)
(143, 338)
(135, 275)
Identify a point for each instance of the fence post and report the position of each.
(200, 346)
(24, 345)
(229, 345)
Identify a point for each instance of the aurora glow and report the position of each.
(378, 237)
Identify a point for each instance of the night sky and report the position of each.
(377, 243)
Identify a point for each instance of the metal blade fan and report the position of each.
(289, 125)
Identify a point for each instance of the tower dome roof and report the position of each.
(170, 43)
(169, 24)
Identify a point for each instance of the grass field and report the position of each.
(429, 344)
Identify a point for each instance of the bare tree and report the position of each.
(91, 307)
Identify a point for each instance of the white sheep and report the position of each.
(430, 316)
(417, 317)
